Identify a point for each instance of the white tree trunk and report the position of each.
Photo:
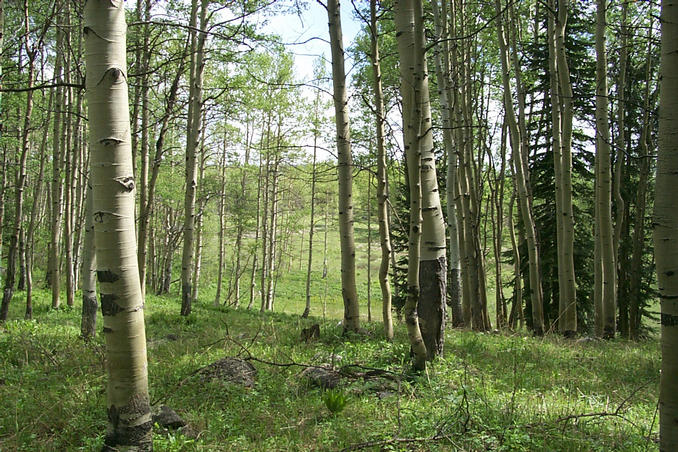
(129, 416)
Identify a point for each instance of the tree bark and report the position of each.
(604, 179)
(382, 181)
(620, 145)
(222, 223)
(566, 280)
(443, 71)
(54, 274)
(35, 209)
(345, 171)
(194, 130)
(129, 414)
(635, 311)
(311, 228)
(665, 222)
(427, 285)
(89, 268)
(13, 254)
(519, 155)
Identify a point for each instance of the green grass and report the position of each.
(488, 392)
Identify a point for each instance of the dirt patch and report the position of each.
(232, 370)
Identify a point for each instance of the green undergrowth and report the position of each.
(488, 392)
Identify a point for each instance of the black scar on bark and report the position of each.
(107, 276)
(126, 435)
(108, 305)
(669, 320)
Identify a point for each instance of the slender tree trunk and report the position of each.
(345, 171)
(327, 206)
(568, 294)
(89, 268)
(665, 222)
(382, 181)
(604, 177)
(222, 225)
(311, 228)
(443, 71)
(53, 270)
(519, 164)
(635, 311)
(146, 209)
(264, 220)
(10, 271)
(241, 211)
(129, 413)
(517, 306)
(620, 144)
(192, 141)
(69, 156)
(145, 145)
(496, 208)
(273, 229)
(369, 246)
(256, 237)
(199, 222)
(35, 209)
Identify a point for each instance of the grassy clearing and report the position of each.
(489, 392)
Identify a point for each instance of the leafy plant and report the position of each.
(335, 400)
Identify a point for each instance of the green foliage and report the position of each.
(487, 392)
(335, 400)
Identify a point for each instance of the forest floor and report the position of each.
(488, 392)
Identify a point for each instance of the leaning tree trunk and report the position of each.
(345, 170)
(129, 413)
(665, 221)
(432, 273)
(192, 140)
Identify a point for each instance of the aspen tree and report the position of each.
(129, 417)
(345, 170)
(222, 222)
(443, 70)
(53, 272)
(316, 133)
(194, 129)
(665, 223)
(382, 182)
(563, 161)
(35, 209)
(620, 144)
(427, 283)
(519, 155)
(604, 180)
(143, 60)
(89, 267)
(21, 175)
